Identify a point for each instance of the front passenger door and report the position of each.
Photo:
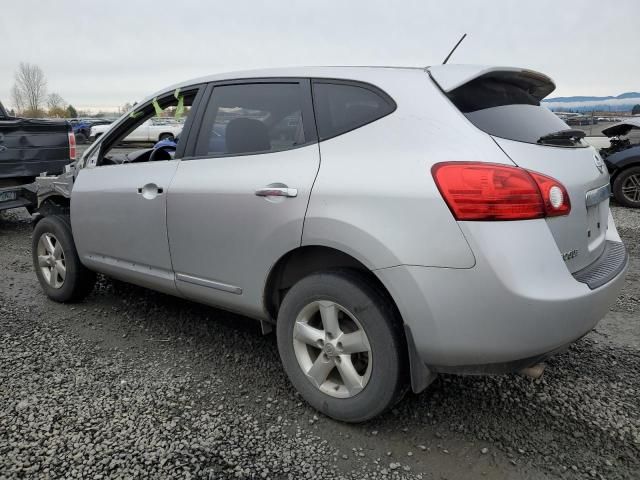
(118, 206)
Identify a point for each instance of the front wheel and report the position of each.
(341, 345)
(55, 259)
(626, 187)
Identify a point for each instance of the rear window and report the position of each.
(508, 111)
(341, 107)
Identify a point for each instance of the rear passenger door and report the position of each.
(237, 204)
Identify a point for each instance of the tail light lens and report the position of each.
(72, 146)
(487, 191)
(555, 196)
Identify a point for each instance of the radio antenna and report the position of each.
(454, 48)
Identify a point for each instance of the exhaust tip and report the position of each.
(534, 371)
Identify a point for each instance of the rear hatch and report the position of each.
(505, 103)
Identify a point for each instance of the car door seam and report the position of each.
(315, 126)
(166, 220)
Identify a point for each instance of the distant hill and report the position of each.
(620, 103)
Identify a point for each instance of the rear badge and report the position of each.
(599, 163)
(569, 255)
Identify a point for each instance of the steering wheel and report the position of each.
(162, 153)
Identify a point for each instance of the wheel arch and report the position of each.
(308, 259)
(53, 204)
(623, 165)
(301, 262)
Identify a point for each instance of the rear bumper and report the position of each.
(515, 306)
(25, 196)
(613, 260)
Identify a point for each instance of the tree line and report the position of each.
(30, 98)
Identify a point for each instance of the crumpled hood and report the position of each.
(622, 128)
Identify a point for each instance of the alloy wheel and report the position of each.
(51, 260)
(631, 188)
(332, 349)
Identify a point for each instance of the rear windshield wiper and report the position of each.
(563, 137)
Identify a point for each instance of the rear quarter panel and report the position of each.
(375, 198)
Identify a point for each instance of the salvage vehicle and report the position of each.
(29, 147)
(151, 130)
(622, 158)
(389, 223)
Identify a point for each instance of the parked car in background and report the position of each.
(622, 158)
(81, 129)
(101, 121)
(152, 130)
(29, 147)
(454, 224)
(581, 120)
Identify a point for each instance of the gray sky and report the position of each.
(110, 52)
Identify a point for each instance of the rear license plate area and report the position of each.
(597, 203)
(8, 196)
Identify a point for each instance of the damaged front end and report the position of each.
(52, 193)
(618, 134)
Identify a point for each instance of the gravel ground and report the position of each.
(133, 383)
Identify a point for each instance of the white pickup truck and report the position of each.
(153, 130)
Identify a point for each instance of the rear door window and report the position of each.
(344, 106)
(508, 110)
(251, 118)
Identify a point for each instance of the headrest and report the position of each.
(245, 135)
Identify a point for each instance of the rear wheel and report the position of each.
(81, 138)
(55, 259)
(626, 187)
(341, 345)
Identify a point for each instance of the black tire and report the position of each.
(81, 138)
(622, 187)
(377, 317)
(78, 281)
(165, 136)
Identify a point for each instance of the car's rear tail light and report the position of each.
(72, 146)
(487, 191)
(555, 196)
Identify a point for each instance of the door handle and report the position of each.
(150, 190)
(277, 192)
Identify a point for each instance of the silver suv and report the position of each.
(388, 223)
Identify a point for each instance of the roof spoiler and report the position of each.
(450, 77)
